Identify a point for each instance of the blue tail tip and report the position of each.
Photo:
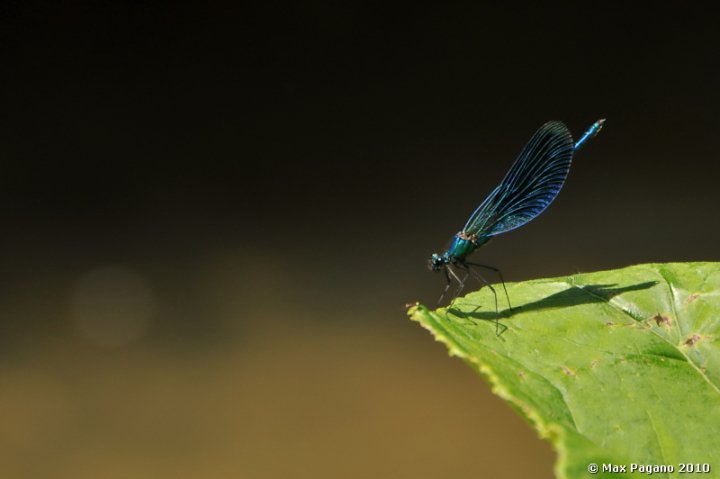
(598, 126)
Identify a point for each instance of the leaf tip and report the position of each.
(411, 308)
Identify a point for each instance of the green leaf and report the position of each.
(616, 367)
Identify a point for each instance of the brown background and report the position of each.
(212, 216)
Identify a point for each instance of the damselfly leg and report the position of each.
(479, 277)
(500, 275)
(449, 276)
(469, 270)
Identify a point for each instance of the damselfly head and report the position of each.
(436, 262)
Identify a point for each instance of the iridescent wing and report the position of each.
(530, 186)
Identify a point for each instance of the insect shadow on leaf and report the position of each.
(572, 296)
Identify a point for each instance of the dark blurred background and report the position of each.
(213, 213)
